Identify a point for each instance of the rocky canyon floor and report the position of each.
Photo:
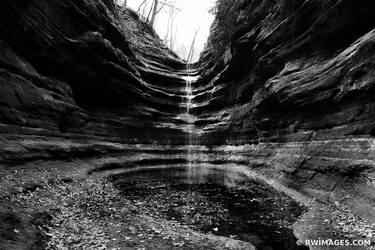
(148, 200)
(109, 140)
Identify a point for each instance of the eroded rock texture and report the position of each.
(296, 80)
(80, 68)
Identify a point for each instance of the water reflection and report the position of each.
(214, 199)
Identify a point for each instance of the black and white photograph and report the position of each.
(187, 124)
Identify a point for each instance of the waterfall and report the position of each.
(189, 120)
(199, 170)
(190, 126)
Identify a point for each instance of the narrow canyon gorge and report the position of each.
(109, 140)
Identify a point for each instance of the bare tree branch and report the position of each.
(154, 12)
(140, 6)
(192, 47)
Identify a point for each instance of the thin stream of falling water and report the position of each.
(196, 172)
(190, 127)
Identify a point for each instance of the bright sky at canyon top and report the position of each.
(192, 15)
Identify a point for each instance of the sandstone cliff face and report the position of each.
(82, 70)
(296, 82)
(73, 68)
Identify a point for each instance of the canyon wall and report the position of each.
(295, 81)
(292, 80)
(77, 71)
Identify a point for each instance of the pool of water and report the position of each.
(214, 200)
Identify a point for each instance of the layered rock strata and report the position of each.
(295, 82)
(85, 69)
(292, 81)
